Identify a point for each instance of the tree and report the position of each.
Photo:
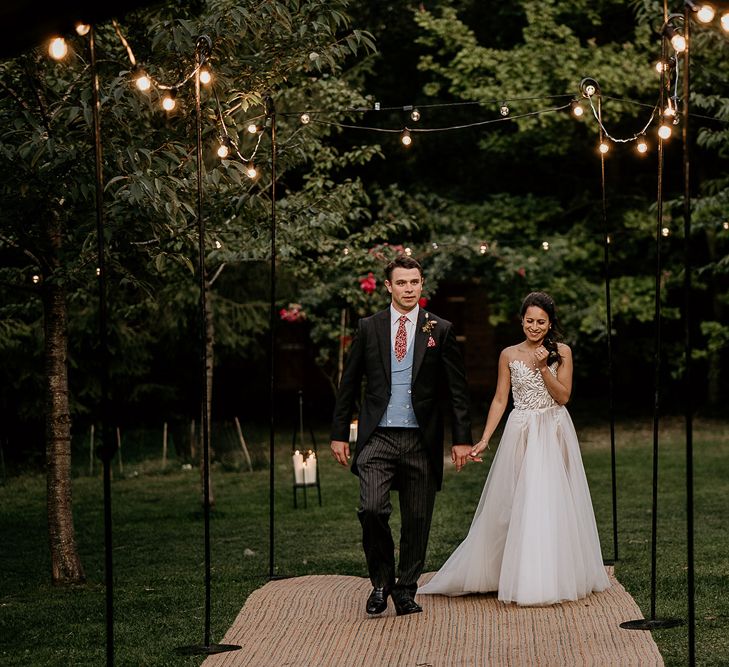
(47, 190)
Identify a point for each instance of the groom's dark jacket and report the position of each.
(437, 373)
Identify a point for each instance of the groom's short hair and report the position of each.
(402, 262)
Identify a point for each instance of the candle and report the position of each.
(298, 458)
(309, 473)
(353, 432)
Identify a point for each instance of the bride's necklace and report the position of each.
(532, 362)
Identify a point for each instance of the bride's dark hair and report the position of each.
(554, 335)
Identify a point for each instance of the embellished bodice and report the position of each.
(528, 388)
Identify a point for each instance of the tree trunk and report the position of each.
(66, 565)
(209, 345)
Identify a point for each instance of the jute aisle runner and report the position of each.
(319, 621)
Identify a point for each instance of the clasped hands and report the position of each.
(462, 454)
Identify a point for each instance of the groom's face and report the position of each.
(406, 286)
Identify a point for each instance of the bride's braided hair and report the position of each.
(554, 335)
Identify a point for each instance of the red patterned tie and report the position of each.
(401, 339)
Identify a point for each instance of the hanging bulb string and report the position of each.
(435, 105)
(652, 106)
(227, 136)
(615, 139)
(156, 82)
(423, 130)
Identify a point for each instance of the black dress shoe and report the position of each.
(377, 601)
(404, 603)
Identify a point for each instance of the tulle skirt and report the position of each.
(533, 537)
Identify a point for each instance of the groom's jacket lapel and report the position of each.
(421, 338)
(382, 330)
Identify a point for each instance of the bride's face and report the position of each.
(535, 324)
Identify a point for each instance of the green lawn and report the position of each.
(158, 554)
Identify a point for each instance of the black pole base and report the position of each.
(651, 623)
(201, 649)
(609, 561)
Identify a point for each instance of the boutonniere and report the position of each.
(429, 325)
(428, 329)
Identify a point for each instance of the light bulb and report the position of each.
(664, 131)
(36, 279)
(406, 138)
(251, 171)
(483, 249)
(604, 147)
(98, 271)
(504, 109)
(661, 66)
(669, 110)
(706, 14)
(82, 29)
(305, 118)
(577, 110)
(545, 245)
(57, 49)
(346, 251)
(642, 146)
(143, 82)
(725, 21)
(205, 76)
(725, 225)
(168, 101)
(679, 43)
(252, 128)
(435, 246)
(590, 90)
(408, 251)
(223, 149)
(665, 231)
(415, 115)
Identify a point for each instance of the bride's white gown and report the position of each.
(533, 537)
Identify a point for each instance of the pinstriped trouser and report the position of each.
(395, 456)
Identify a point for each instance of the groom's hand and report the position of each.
(459, 455)
(340, 449)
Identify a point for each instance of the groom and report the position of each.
(408, 357)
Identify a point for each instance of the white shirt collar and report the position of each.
(395, 315)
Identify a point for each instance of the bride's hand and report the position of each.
(479, 447)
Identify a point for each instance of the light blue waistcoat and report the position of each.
(399, 413)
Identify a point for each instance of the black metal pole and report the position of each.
(609, 325)
(107, 449)
(688, 403)
(271, 115)
(202, 51)
(655, 623)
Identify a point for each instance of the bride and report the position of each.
(533, 537)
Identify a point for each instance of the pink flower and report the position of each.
(423, 301)
(368, 284)
(293, 313)
(521, 271)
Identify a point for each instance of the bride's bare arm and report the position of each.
(560, 387)
(498, 406)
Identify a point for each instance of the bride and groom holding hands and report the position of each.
(533, 538)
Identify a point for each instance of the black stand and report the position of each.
(202, 52)
(107, 449)
(304, 484)
(654, 623)
(271, 115)
(688, 403)
(609, 328)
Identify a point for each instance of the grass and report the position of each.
(158, 547)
